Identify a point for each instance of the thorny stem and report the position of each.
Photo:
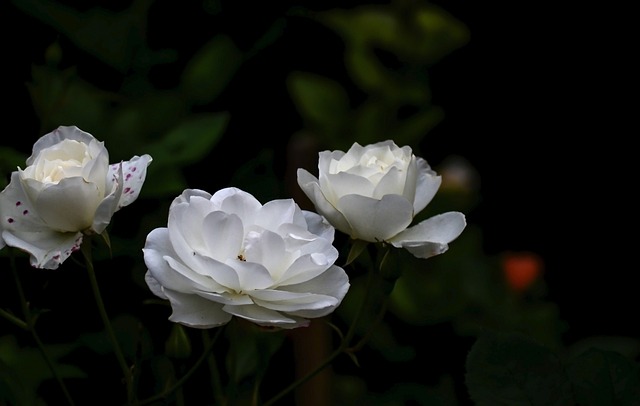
(126, 371)
(29, 324)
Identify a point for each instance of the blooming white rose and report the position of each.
(226, 255)
(68, 189)
(373, 193)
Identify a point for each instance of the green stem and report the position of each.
(126, 371)
(29, 324)
(213, 370)
(185, 377)
(344, 345)
(13, 319)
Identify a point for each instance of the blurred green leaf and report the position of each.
(23, 369)
(511, 369)
(211, 69)
(116, 38)
(322, 102)
(604, 378)
(251, 349)
(411, 130)
(190, 140)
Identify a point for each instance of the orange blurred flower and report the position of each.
(521, 269)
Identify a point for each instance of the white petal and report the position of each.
(223, 235)
(134, 173)
(333, 282)
(432, 236)
(236, 201)
(314, 258)
(334, 186)
(195, 311)
(60, 134)
(267, 249)
(311, 188)
(68, 206)
(188, 194)
(319, 226)
(277, 212)
(392, 183)
(161, 261)
(376, 220)
(155, 286)
(251, 275)
(427, 184)
(263, 317)
(16, 211)
(48, 249)
(226, 297)
(284, 301)
(109, 204)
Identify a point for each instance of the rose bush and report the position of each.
(226, 255)
(372, 193)
(67, 190)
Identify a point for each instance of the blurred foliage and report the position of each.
(425, 315)
(388, 50)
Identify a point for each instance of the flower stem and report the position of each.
(13, 319)
(213, 368)
(29, 324)
(126, 371)
(186, 376)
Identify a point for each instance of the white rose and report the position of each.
(373, 193)
(68, 189)
(226, 255)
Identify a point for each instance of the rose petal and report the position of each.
(318, 225)
(134, 173)
(236, 201)
(69, 206)
(66, 133)
(223, 235)
(195, 311)
(251, 275)
(159, 258)
(426, 185)
(262, 316)
(309, 185)
(376, 220)
(432, 236)
(333, 282)
(16, 211)
(109, 204)
(284, 301)
(48, 249)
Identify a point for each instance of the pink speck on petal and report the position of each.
(133, 169)
(25, 212)
(10, 220)
(56, 257)
(18, 203)
(128, 176)
(127, 189)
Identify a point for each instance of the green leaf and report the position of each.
(322, 102)
(23, 369)
(210, 70)
(604, 378)
(190, 140)
(511, 369)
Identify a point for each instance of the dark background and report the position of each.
(536, 101)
